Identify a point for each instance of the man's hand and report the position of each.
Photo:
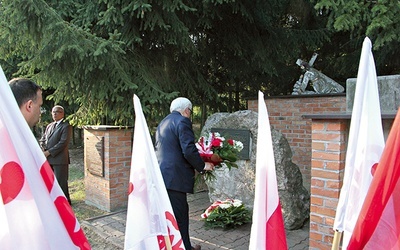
(46, 153)
(208, 166)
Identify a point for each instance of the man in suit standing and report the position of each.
(54, 143)
(178, 158)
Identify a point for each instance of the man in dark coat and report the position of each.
(54, 143)
(178, 158)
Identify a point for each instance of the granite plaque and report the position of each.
(243, 135)
(95, 148)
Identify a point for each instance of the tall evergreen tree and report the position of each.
(350, 21)
(97, 54)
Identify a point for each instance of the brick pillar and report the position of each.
(329, 142)
(107, 154)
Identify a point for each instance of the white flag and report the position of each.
(34, 213)
(150, 222)
(365, 145)
(267, 230)
(378, 225)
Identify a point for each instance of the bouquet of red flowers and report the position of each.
(219, 151)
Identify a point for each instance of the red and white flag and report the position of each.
(267, 230)
(34, 213)
(378, 225)
(365, 145)
(150, 222)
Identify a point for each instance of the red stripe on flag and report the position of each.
(71, 224)
(48, 176)
(276, 236)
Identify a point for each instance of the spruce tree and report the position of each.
(96, 54)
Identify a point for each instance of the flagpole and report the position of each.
(167, 243)
(336, 240)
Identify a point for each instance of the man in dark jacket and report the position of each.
(54, 143)
(178, 158)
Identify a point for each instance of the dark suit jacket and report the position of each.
(177, 153)
(57, 143)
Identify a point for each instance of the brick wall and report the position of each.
(286, 115)
(329, 142)
(107, 186)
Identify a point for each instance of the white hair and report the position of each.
(59, 106)
(180, 104)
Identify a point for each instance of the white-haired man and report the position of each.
(179, 158)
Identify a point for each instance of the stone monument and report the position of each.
(389, 93)
(239, 183)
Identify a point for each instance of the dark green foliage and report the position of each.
(94, 55)
(350, 22)
(228, 218)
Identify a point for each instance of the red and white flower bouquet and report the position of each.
(219, 151)
(229, 213)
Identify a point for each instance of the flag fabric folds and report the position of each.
(267, 230)
(378, 225)
(34, 212)
(365, 145)
(150, 222)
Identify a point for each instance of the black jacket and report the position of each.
(176, 152)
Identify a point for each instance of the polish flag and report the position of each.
(378, 225)
(365, 145)
(150, 222)
(267, 230)
(34, 213)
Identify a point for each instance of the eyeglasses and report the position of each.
(190, 110)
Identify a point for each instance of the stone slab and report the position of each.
(389, 93)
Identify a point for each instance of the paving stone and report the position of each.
(112, 228)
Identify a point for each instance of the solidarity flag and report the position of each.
(267, 230)
(365, 145)
(34, 213)
(150, 222)
(378, 226)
